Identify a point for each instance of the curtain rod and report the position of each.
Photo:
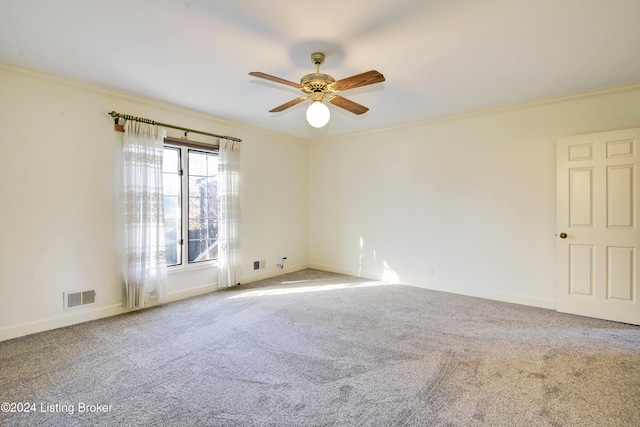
(151, 122)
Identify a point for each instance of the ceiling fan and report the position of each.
(318, 86)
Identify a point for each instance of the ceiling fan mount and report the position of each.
(319, 86)
(317, 58)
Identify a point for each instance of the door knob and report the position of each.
(563, 235)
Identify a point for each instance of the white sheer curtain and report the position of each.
(142, 203)
(229, 267)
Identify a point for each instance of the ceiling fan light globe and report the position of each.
(318, 114)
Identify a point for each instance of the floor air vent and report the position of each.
(79, 298)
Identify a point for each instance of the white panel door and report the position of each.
(598, 243)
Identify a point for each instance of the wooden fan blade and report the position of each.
(341, 102)
(289, 104)
(363, 79)
(274, 79)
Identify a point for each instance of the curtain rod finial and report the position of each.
(116, 117)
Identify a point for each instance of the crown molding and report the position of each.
(494, 110)
(139, 99)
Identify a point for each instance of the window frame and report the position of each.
(184, 149)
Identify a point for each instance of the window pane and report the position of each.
(197, 229)
(213, 248)
(198, 251)
(171, 207)
(212, 187)
(171, 184)
(201, 186)
(197, 207)
(213, 229)
(197, 186)
(197, 164)
(203, 250)
(212, 207)
(173, 252)
(170, 231)
(203, 206)
(212, 165)
(171, 160)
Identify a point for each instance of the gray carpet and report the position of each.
(321, 349)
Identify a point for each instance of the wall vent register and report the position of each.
(77, 299)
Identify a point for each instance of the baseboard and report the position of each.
(273, 273)
(484, 293)
(442, 287)
(87, 315)
(49, 323)
(347, 271)
(191, 292)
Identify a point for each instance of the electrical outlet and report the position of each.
(280, 262)
(263, 264)
(430, 271)
(256, 265)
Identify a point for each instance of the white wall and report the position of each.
(472, 198)
(465, 205)
(59, 214)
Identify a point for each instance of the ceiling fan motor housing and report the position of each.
(316, 82)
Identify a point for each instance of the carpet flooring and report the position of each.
(321, 349)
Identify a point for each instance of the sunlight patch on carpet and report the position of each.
(307, 289)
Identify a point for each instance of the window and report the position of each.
(191, 204)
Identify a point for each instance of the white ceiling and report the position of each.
(440, 57)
